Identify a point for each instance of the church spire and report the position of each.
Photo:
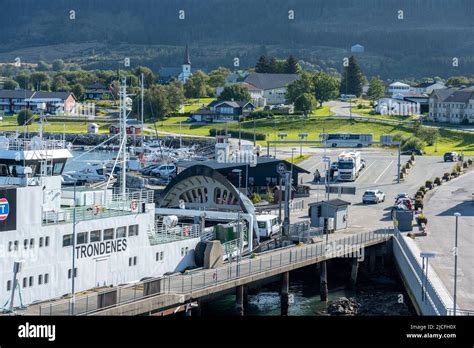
(186, 56)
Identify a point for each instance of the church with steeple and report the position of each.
(186, 67)
(166, 75)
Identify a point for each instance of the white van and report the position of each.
(268, 225)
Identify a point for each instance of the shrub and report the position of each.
(270, 197)
(25, 117)
(412, 157)
(446, 176)
(421, 219)
(422, 189)
(407, 166)
(418, 203)
(437, 181)
(464, 164)
(469, 161)
(255, 198)
(428, 183)
(419, 194)
(404, 170)
(458, 168)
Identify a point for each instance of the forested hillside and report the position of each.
(424, 42)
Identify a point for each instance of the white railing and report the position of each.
(429, 304)
(200, 279)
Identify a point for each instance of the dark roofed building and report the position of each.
(452, 105)
(223, 111)
(260, 177)
(97, 91)
(273, 86)
(12, 101)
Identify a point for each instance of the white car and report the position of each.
(373, 196)
(164, 171)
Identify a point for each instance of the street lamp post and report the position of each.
(302, 136)
(292, 151)
(457, 215)
(327, 159)
(424, 279)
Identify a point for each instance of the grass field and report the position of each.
(449, 140)
(322, 111)
(10, 124)
(298, 159)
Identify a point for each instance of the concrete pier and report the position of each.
(323, 288)
(372, 259)
(239, 300)
(354, 271)
(284, 293)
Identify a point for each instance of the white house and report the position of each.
(452, 105)
(427, 87)
(272, 87)
(398, 88)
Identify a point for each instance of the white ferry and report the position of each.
(58, 241)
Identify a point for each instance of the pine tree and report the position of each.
(263, 65)
(291, 65)
(376, 89)
(352, 79)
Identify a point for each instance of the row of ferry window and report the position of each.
(28, 281)
(97, 235)
(28, 243)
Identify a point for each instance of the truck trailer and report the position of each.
(349, 165)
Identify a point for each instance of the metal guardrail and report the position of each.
(201, 279)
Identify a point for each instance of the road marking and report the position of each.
(366, 169)
(383, 172)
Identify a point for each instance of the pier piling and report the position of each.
(239, 300)
(323, 288)
(285, 287)
(354, 271)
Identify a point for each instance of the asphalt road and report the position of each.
(380, 173)
(440, 206)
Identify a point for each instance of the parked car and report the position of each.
(401, 195)
(148, 169)
(405, 201)
(450, 156)
(417, 152)
(373, 196)
(164, 171)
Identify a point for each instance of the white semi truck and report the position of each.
(349, 165)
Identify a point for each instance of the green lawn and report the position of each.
(449, 140)
(10, 124)
(298, 159)
(322, 111)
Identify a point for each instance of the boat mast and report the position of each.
(123, 120)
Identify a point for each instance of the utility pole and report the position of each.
(457, 215)
(123, 90)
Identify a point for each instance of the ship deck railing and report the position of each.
(20, 144)
(118, 205)
(166, 234)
